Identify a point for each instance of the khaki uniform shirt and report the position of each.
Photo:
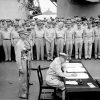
(49, 34)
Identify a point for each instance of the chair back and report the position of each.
(40, 77)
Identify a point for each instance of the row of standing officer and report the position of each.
(49, 33)
(72, 34)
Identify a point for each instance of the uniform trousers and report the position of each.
(69, 47)
(40, 48)
(97, 47)
(78, 47)
(55, 82)
(7, 49)
(32, 44)
(50, 49)
(23, 79)
(1, 53)
(60, 45)
(88, 48)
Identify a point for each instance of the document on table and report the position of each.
(77, 76)
(71, 82)
(91, 85)
(72, 65)
(75, 69)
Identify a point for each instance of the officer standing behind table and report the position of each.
(88, 40)
(31, 37)
(49, 36)
(69, 39)
(15, 36)
(6, 36)
(97, 40)
(60, 37)
(78, 37)
(21, 49)
(39, 40)
(55, 73)
(1, 41)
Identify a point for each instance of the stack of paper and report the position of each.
(71, 65)
(75, 69)
(71, 82)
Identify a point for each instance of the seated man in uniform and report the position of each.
(55, 73)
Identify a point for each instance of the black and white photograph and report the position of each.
(49, 49)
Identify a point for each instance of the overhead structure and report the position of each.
(71, 8)
(34, 8)
(83, 2)
(54, 2)
(93, 0)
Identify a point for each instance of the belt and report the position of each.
(16, 38)
(78, 37)
(97, 36)
(39, 37)
(60, 37)
(6, 39)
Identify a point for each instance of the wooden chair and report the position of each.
(43, 84)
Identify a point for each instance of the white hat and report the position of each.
(22, 31)
(63, 55)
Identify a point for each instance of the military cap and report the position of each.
(60, 23)
(17, 19)
(3, 20)
(89, 21)
(8, 20)
(22, 31)
(99, 16)
(63, 55)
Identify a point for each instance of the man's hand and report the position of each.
(70, 74)
(74, 74)
(21, 71)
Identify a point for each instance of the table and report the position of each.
(82, 91)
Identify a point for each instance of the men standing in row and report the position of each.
(31, 38)
(60, 37)
(49, 36)
(15, 36)
(69, 38)
(78, 35)
(97, 40)
(1, 41)
(6, 35)
(88, 40)
(39, 40)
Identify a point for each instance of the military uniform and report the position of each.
(97, 41)
(22, 54)
(69, 38)
(39, 41)
(50, 36)
(7, 44)
(15, 36)
(60, 37)
(88, 41)
(1, 42)
(31, 38)
(54, 73)
(78, 36)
